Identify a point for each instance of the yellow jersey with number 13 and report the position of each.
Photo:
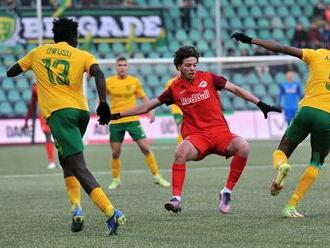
(317, 91)
(59, 70)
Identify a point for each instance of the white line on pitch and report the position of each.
(190, 168)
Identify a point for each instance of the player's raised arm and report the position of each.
(14, 70)
(271, 45)
(103, 109)
(141, 109)
(248, 96)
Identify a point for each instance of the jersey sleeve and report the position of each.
(166, 97)
(218, 81)
(90, 60)
(107, 85)
(26, 62)
(308, 55)
(139, 90)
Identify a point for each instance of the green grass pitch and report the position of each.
(35, 211)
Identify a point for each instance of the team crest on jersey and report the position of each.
(128, 87)
(202, 84)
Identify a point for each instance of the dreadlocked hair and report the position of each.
(64, 29)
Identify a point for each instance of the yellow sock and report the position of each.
(279, 158)
(305, 182)
(151, 161)
(179, 139)
(115, 167)
(73, 188)
(102, 201)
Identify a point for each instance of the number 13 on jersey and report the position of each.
(60, 78)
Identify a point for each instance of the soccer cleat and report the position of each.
(224, 203)
(161, 181)
(77, 219)
(278, 182)
(114, 184)
(51, 165)
(118, 218)
(173, 205)
(291, 212)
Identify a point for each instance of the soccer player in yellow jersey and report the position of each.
(176, 112)
(313, 117)
(59, 71)
(124, 90)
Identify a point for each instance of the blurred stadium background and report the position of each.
(182, 22)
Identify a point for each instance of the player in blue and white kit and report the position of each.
(289, 96)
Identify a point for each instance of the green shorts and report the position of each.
(68, 126)
(314, 122)
(134, 128)
(178, 119)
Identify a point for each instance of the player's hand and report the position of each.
(103, 111)
(265, 108)
(115, 116)
(242, 37)
(152, 116)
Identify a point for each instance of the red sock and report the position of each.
(178, 175)
(50, 152)
(236, 168)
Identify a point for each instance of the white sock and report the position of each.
(177, 197)
(226, 190)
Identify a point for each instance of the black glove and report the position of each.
(242, 37)
(103, 111)
(265, 108)
(115, 116)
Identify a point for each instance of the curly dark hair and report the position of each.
(183, 53)
(65, 29)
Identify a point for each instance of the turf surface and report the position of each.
(35, 212)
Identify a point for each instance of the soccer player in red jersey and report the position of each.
(45, 128)
(204, 128)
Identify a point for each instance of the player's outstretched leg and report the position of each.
(118, 218)
(278, 181)
(173, 205)
(95, 192)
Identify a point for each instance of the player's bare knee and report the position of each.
(243, 148)
(145, 150)
(180, 156)
(115, 154)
